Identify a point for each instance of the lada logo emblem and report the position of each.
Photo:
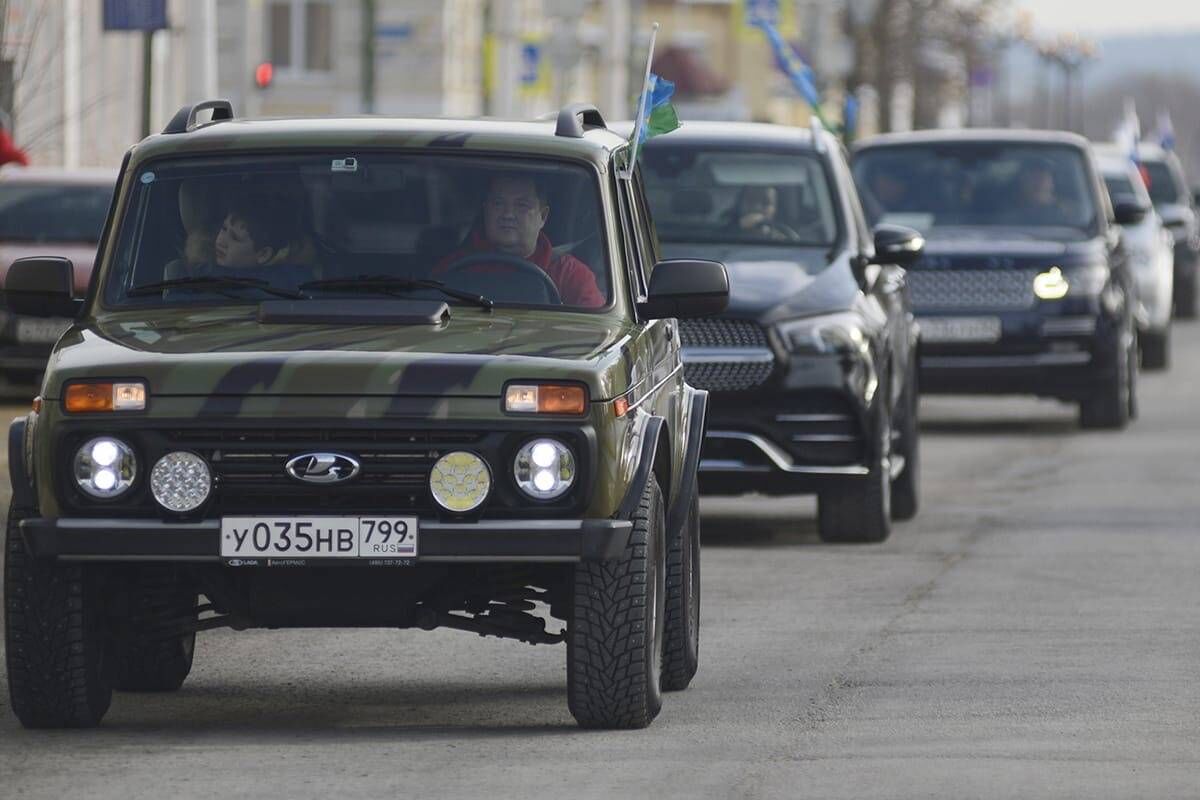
(322, 467)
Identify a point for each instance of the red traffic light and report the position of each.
(263, 74)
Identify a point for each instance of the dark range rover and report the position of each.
(810, 370)
(1023, 286)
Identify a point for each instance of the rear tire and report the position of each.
(681, 658)
(860, 511)
(1116, 401)
(145, 660)
(615, 640)
(55, 638)
(1156, 349)
(906, 494)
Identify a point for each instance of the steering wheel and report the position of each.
(519, 264)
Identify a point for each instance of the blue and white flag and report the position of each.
(1166, 131)
(793, 66)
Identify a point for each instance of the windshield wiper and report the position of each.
(387, 285)
(215, 282)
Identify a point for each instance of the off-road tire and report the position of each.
(1156, 349)
(614, 641)
(55, 638)
(1116, 401)
(681, 656)
(860, 511)
(145, 660)
(906, 488)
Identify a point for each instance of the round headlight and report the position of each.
(105, 468)
(180, 481)
(544, 469)
(460, 481)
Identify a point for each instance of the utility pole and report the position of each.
(147, 79)
(368, 56)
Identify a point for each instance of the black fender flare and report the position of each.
(681, 498)
(22, 488)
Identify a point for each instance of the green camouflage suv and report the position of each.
(354, 373)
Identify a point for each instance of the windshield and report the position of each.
(1118, 185)
(1160, 180)
(713, 195)
(244, 230)
(53, 213)
(979, 184)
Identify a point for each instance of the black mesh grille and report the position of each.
(972, 289)
(718, 332)
(727, 376)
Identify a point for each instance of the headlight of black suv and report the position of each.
(826, 334)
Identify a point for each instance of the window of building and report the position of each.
(300, 35)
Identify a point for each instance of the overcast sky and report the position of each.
(1110, 17)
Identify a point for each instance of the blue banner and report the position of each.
(135, 15)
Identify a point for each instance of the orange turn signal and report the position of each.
(545, 398)
(92, 397)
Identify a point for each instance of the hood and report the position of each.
(1004, 248)
(191, 352)
(774, 283)
(82, 255)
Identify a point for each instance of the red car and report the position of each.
(45, 212)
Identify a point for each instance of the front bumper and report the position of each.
(483, 541)
(1063, 356)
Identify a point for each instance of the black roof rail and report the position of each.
(185, 119)
(574, 117)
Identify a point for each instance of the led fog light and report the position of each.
(180, 481)
(460, 481)
(544, 469)
(105, 468)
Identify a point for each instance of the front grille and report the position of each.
(720, 332)
(725, 355)
(248, 467)
(997, 289)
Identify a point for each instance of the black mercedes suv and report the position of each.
(811, 369)
(1023, 287)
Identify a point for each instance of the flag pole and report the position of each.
(643, 101)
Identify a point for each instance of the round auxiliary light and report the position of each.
(105, 468)
(460, 481)
(544, 469)
(181, 481)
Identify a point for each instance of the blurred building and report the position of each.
(76, 90)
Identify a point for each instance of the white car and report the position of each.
(1151, 249)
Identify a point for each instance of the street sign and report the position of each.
(135, 15)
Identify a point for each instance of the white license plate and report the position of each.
(40, 331)
(302, 538)
(959, 329)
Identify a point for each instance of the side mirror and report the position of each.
(685, 287)
(41, 286)
(1128, 211)
(895, 244)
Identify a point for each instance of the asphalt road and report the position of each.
(1033, 633)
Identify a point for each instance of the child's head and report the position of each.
(255, 230)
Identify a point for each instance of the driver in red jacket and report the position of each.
(514, 213)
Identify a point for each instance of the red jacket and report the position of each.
(575, 280)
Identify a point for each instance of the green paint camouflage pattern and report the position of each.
(214, 363)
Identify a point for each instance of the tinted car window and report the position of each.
(1161, 182)
(52, 213)
(1118, 185)
(292, 220)
(979, 184)
(705, 194)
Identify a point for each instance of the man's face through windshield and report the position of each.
(514, 215)
(1037, 186)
